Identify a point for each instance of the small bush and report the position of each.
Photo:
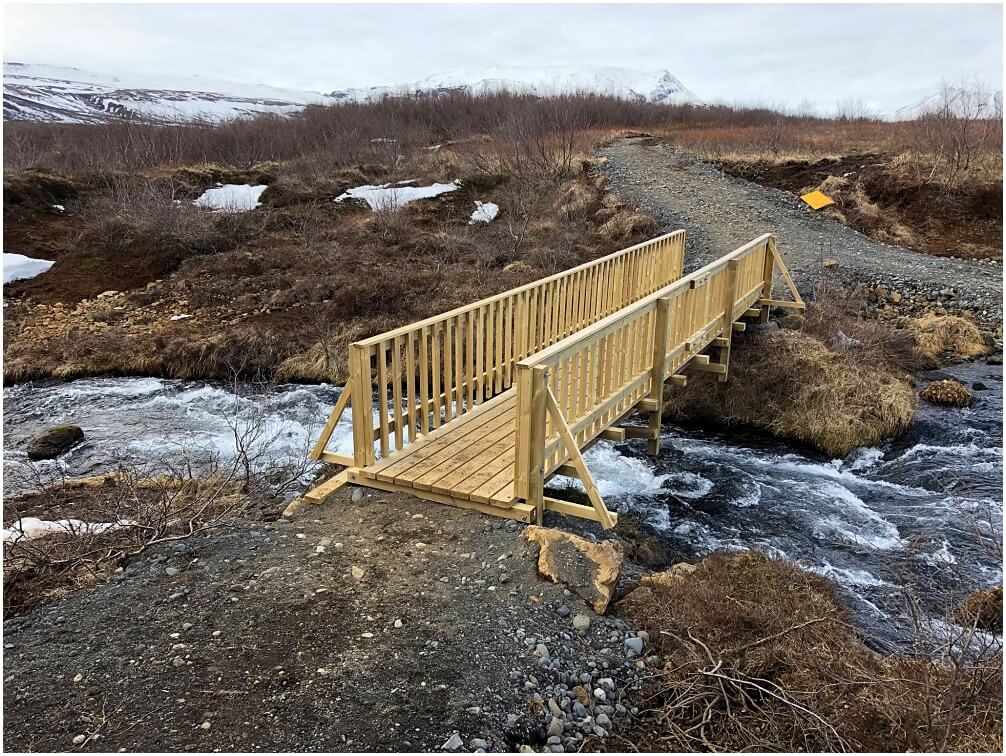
(944, 340)
(625, 224)
(484, 182)
(984, 609)
(795, 387)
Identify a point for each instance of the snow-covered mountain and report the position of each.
(625, 83)
(35, 92)
(69, 95)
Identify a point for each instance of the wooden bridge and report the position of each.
(480, 406)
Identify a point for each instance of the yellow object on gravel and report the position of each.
(817, 199)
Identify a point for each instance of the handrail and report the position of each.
(600, 326)
(402, 330)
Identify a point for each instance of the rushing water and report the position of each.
(903, 513)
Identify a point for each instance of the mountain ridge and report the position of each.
(40, 92)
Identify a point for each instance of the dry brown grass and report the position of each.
(760, 656)
(947, 393)
(944, 340)
(795, 387)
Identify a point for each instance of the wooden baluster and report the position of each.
(436, 349)
(470, 358)
(424, 380)
(382, 395)
(459, 368)
(410, 382)
(448, 370)
(396, 390)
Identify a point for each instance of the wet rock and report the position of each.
(947, 393)
(589, 569)
(55, 441)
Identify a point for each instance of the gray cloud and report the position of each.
(886, 55)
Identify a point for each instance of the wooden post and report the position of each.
(661, 327)
(362, 404)
(727, 327)
(529, 457)
(768, 272)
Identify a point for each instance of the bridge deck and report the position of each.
(471, 457)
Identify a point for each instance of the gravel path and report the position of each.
(376, 622)
(720, 212)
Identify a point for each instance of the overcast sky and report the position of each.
(888, 56)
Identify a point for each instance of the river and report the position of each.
(901, 514)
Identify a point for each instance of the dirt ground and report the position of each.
(373, 622)
(963, 222)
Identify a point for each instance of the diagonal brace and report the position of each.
(603, 515)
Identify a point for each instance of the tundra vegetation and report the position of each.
(146, 283)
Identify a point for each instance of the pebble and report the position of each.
(581, 623)
(555, 727)
(78, 677)
(454, 742)
(78, 739)
(357, 572)
(635, 645)
(398, 624)
(478, 743)
(171, 571)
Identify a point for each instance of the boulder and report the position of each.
(55, 441)
(588, 569)
(947, 393)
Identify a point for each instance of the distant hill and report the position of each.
(35, 92)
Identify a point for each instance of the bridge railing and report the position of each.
(429, 372)
(571, 392)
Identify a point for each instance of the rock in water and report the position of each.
(589, 569)
(55, 441)
(948, 393)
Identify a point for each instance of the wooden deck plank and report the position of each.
(441, 449)
(462, 480)
(479, 415)
(463, 448)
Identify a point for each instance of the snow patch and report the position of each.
(231, 198)
(19, 267)
(385, 197)
(29, 528)
(485, 212)
(183, 316)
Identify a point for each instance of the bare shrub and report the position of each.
(960, 127)
(94, 525)
(760, 655)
